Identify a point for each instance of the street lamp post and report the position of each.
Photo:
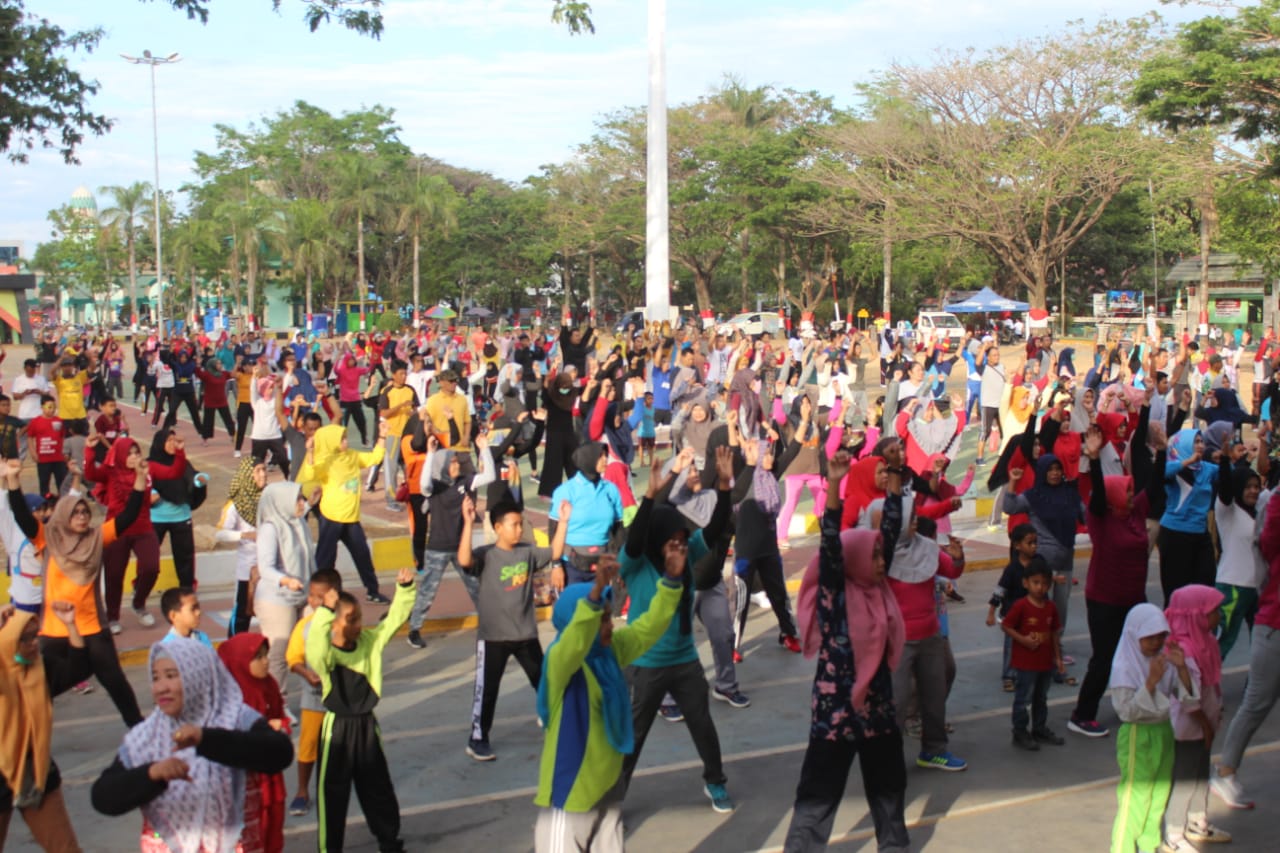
(153, 61)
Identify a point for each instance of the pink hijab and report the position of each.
(876, 629)
(1188, 613)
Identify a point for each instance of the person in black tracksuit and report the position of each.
(348, 659)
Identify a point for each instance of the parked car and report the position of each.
(754, 323)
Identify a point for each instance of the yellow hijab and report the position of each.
(26, 709)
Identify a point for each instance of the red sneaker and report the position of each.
(737, 656)
(790, 643)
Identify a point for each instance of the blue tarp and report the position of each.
(986, 301)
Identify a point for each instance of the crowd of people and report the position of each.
(1141, 447)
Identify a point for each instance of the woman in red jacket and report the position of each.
(115, 478)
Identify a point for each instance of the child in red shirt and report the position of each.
(1032, 623)
(45, 435)
(110, 425)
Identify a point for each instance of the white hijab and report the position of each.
(1130, 667)
(205, 815)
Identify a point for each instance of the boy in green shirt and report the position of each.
(348, 659)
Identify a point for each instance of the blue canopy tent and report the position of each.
(986, 301)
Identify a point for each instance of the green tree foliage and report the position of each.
(1220, 72)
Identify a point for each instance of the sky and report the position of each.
(491, 85)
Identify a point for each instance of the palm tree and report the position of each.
(252, 218)
(309, 240)
(194, 243)
(130, 206)
(360, 193)
(430, 202)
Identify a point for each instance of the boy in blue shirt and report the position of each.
(647, 430)
(181, 609)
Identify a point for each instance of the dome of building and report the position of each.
(83, 202)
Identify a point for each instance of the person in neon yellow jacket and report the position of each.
(336, 468)
(585, 706)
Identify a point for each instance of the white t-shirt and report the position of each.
(1241, 563)
(29, 407)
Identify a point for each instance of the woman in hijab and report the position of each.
(583, 693)
(559, 395)
(608, 424)
(1193, 615)
(744, 398)
(239, 524)
(72, 556)
(177, 497)
(1186, 549)
(1146, 675)
(286, 562)
(348, 376)
(597, 511)
(115, 477)
(865, 483)
(185, 765)
(245, 657)
(1241, 569)
(850, 619)
(803, 464)
(757, 499)
(1117, 578)
(1054, 507)
(1223, 405)
(29, 778)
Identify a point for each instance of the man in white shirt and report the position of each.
(418, 377)
(28, 388)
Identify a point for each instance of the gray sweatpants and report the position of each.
(1260, 694)
(712, 609)
(925, 663)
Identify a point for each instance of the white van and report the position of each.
(754, 323)
(939, 326)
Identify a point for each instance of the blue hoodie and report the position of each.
(1189, 492)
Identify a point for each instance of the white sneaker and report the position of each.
(115, 627)
(1229, 790)
(759, 599)
(237, 454)
(145, 619)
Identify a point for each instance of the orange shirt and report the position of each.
(59, 587)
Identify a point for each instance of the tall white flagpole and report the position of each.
(657, 254)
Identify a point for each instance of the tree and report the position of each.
(362, 193)
(309, 241)
(1220, 72)
(79, 258)
(1019, 151)
(430, 202)
(130, 206)
(252, 219)
(43, 101)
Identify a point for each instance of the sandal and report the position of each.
(1007, 684)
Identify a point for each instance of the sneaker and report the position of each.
(299, 806)
(415, 640)
(955, 596)
(671, 713)
(719, 797)
(1023, 740)
(395, 507)
(941, 761)
(535, 478)
(761, 600)
(83, 688)
(115, 627)
(737, 656)
(292, 718)
(1182, 845)
(1048, 736)
(790, 643)
(237, 454)
(736, 698)
(480, 750)
(1206, 833)
(784, 545)
(1229, 790)
(145, 619)
(1088, 728)
(377, 598)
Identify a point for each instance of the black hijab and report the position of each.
(586, 458)
(665, 523)
(182, 489)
